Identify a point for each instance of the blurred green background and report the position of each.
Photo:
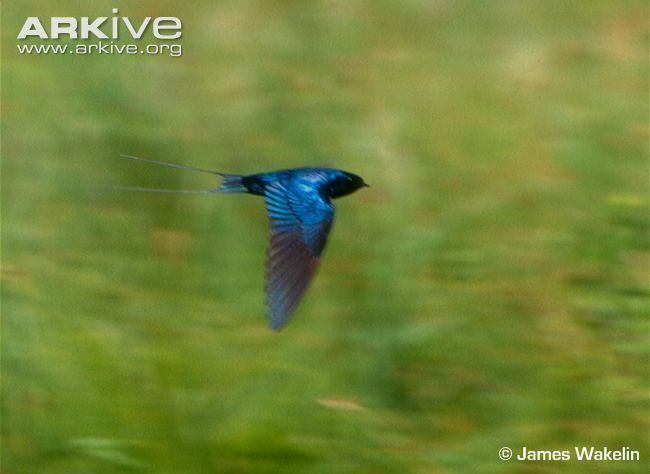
(490, 289)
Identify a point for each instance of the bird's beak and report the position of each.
(366, 185)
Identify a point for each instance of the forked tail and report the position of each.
(232, 183)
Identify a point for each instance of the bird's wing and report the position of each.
(300, 224)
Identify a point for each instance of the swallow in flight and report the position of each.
(299, 204)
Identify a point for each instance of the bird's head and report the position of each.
(346, 183)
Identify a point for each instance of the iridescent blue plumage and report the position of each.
(299, 205)
(301, 212)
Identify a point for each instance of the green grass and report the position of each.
(490, 289)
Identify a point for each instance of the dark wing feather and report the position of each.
(300, 224)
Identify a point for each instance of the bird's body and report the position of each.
(329, 183)
(300, 208)
(299, 205)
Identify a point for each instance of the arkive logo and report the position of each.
(162, 28)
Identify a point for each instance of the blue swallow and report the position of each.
(299, 205)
